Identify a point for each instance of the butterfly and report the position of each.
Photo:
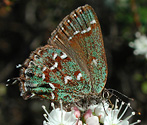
(73, 63)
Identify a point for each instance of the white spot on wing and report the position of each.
(84, 31)
(70, 38)
(66, 78)
(88, 29)
(39, 51)
(33, 94)
(52, 86)
(74, 14)
(25, 86)
(62, 28)
(79, 76)
(53, 96)
(95, 62)
(76, 32)
(63, 56)
(55, 55)
(54, 66)
(92, 22)
(44, 68)
(68, 21)
(43, 76)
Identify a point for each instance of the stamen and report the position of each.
(48, 116)
(133, 113)
(44, 108)
(45, 116)
(61, 111)
(112, 114)
(53, 106)
(126, 119)
(124, 111)
(44, 122)
(116, 103)
(138, 121)
(122, 103)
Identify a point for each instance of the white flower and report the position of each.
(59, 116)
(90, 119)
(113, 116)
(96, 114)
(109, 116)
(140, 45)
(99, 110)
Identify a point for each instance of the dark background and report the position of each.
(27, 24)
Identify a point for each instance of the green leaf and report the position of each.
(144, 87)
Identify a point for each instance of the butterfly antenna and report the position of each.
(112, 94)
(16, 80)
(12, 81)
(113, 90)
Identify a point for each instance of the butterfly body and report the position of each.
(73, 63)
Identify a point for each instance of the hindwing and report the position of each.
(49, 73)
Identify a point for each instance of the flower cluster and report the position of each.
(95, 115)
(139, 44)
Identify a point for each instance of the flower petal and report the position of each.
(93, 120)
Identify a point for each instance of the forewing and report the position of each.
(50, 73)
(79, 35)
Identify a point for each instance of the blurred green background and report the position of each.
(27, 24)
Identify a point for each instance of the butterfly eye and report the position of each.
(29, 74)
